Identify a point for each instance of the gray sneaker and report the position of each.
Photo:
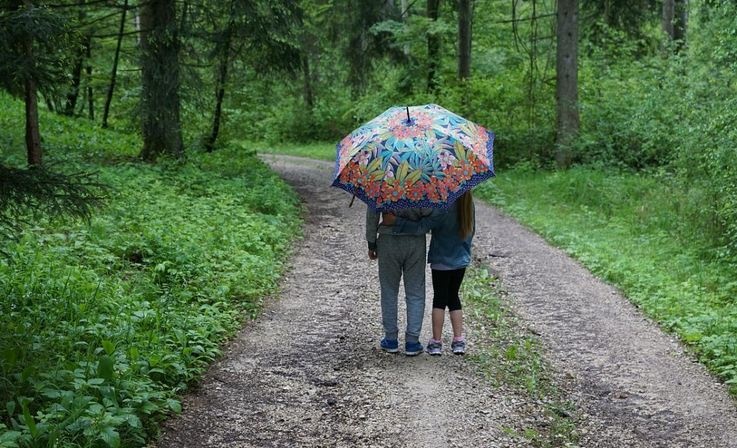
(458, 347)
(435, 348)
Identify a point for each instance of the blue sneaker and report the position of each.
(434, 347)
(459, 347)
(389, 345)
(413, 348)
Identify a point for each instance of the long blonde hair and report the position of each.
(465, 215)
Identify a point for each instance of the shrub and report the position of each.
(105, 324)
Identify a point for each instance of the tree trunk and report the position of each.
(669, 7)
(137, 24)
(566, 89)
(73, 94)
(675, 15)
(358, 44)
(160, 124)
(405, 15)
(433, 47)
(681, 22)
(307, 88)
(220, 92)
(90, 97)
(114, 73)
(33, 134)
(307, 46)
(465, 14)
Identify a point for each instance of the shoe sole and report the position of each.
(390, 350)
(459, 352)
(434, 354)
(412, 353)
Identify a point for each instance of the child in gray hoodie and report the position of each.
(399, 255)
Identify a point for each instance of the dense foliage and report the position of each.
(104, 324)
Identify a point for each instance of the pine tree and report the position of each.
(32, 58)
(160, 104)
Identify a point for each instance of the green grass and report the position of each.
(104, 324)
(642, 234)
(320, 151)
(509, 356)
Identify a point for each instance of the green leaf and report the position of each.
(109, 346)
(10, 356)
(28, 419)
(133, 421)
(51, 393)
(10, 407)
(174, 405)
(375, 164)
(105, 368)
(460, 151)
(402, 171)
(8, 439)
(413, 177)
(110, 436)
(378, 175)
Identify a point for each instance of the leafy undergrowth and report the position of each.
(642, 234)
(512, 357)
(104, 324)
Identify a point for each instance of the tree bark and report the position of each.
(360, 13)
(681, 21)
(90, 97)
(160, 105)
(73, 94)
(114, 72)
(33, 133)
(308, 91)
(220, 91)
(465, 17)
(433, 47)
(137, 24)
(675, 16)
(566, 89)
(669, 7)
(34, 151)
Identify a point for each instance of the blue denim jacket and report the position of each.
(446, 246)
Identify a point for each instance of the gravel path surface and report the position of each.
(308, 373)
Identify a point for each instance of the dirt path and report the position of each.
(307, 373)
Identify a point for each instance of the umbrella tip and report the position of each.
(408, 119)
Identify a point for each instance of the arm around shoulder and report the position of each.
(423, 225)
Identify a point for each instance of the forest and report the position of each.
(139, 228)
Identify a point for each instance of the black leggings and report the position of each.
(445, 285)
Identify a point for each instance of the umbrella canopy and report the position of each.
(417, 156)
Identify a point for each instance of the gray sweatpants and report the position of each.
(402, 255)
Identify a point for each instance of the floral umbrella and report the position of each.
(418, 156)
